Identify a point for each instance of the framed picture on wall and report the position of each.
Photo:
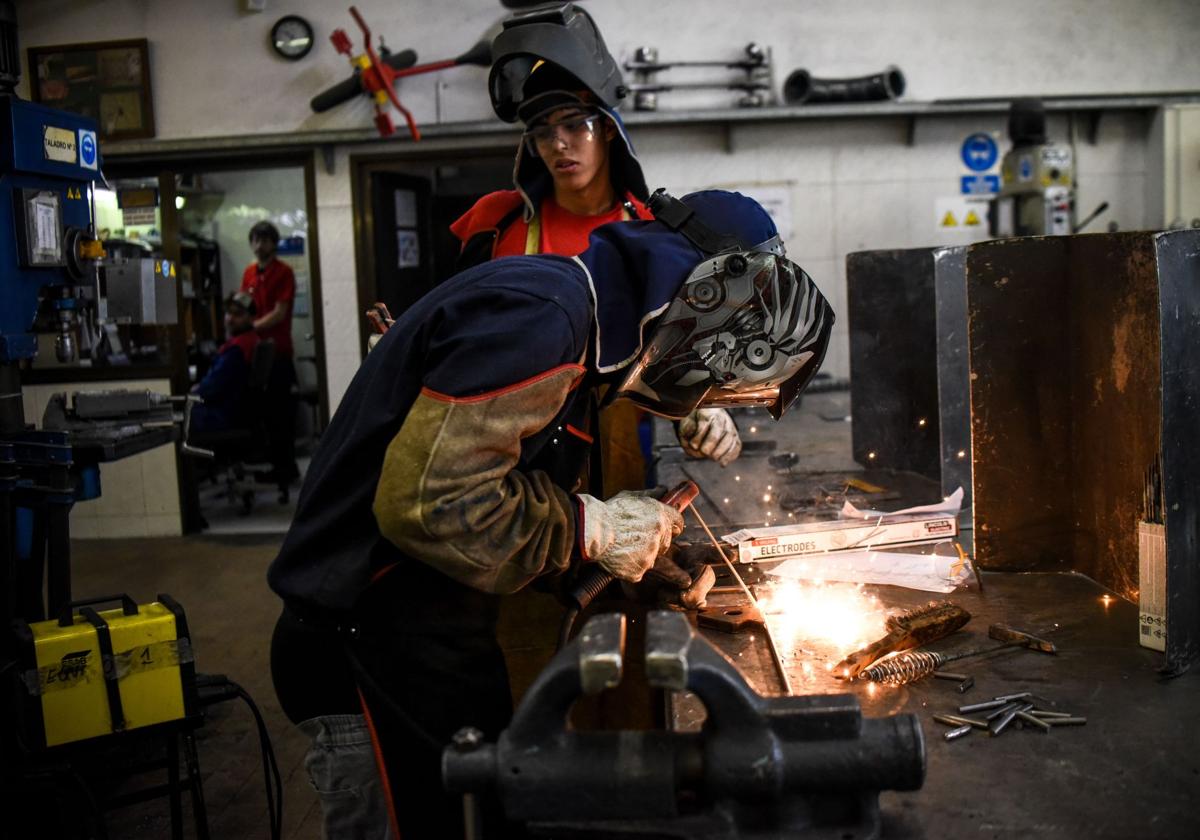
(108, 81)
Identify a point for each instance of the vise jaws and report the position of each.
(761, 767)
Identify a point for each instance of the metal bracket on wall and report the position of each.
(727, 133)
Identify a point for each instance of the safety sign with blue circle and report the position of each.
(87, 148)
(979, 152)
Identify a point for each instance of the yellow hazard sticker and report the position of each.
(948, 220)
(972, 220)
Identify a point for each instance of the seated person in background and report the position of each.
(224, 387)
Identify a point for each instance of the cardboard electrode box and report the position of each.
(776, 542)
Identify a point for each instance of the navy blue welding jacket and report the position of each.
(459, 442)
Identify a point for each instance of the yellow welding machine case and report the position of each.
(92, 673)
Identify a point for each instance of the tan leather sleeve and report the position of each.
(450, 496)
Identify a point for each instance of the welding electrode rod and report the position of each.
(952, 734)
(982, 707)
(787, 685)
(1036, 721)
(955, 720)
(947, 675)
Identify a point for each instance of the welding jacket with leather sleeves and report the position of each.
(461, 438)
(433, 452)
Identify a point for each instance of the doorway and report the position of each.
(205, 209)
(405, 207)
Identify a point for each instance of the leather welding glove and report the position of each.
(710, 433)
(680, 578)
(628, 532)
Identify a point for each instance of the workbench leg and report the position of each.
(199, 811)
(58, 537)
(8, 562)
(173, 787)
(31, 567)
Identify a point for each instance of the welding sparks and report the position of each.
(921, 422)
(1106, 600)
(837, 617)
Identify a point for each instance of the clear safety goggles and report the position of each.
(571, 131)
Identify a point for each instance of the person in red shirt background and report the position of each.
(272, 285)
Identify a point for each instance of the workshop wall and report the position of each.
(851, 185)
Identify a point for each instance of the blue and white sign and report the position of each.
(1025, 168)
(980, 184)
(979, 152)
(89, 156)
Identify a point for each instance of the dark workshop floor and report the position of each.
(1133, 771)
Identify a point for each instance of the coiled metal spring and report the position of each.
(904, 668)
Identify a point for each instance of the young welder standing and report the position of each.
(575, 170)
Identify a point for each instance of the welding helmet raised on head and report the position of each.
(747, 327)
(557, 40)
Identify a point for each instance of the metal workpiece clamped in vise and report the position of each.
(761, 767)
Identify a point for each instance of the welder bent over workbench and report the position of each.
(454, 470)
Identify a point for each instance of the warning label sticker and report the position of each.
(962, 214)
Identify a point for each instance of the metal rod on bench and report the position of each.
(775, 657)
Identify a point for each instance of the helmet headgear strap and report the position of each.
(679, 217)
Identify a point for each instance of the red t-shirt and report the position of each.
(268, 286)
(560, 229)
(567, 234)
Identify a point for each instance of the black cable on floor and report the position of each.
(215, 688)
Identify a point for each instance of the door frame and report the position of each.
(411, 163)
(166, 172)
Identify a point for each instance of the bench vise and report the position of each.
(761, 767)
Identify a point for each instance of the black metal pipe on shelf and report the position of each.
(801, 87)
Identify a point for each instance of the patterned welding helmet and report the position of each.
(747, 327)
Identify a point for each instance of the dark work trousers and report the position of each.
(281, 418)
(426, 660)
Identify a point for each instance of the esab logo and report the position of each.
(71, 668)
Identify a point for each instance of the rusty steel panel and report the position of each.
(1084, 368)
(1065, 398)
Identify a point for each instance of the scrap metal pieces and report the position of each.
(906, 631)
(1006, 709)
